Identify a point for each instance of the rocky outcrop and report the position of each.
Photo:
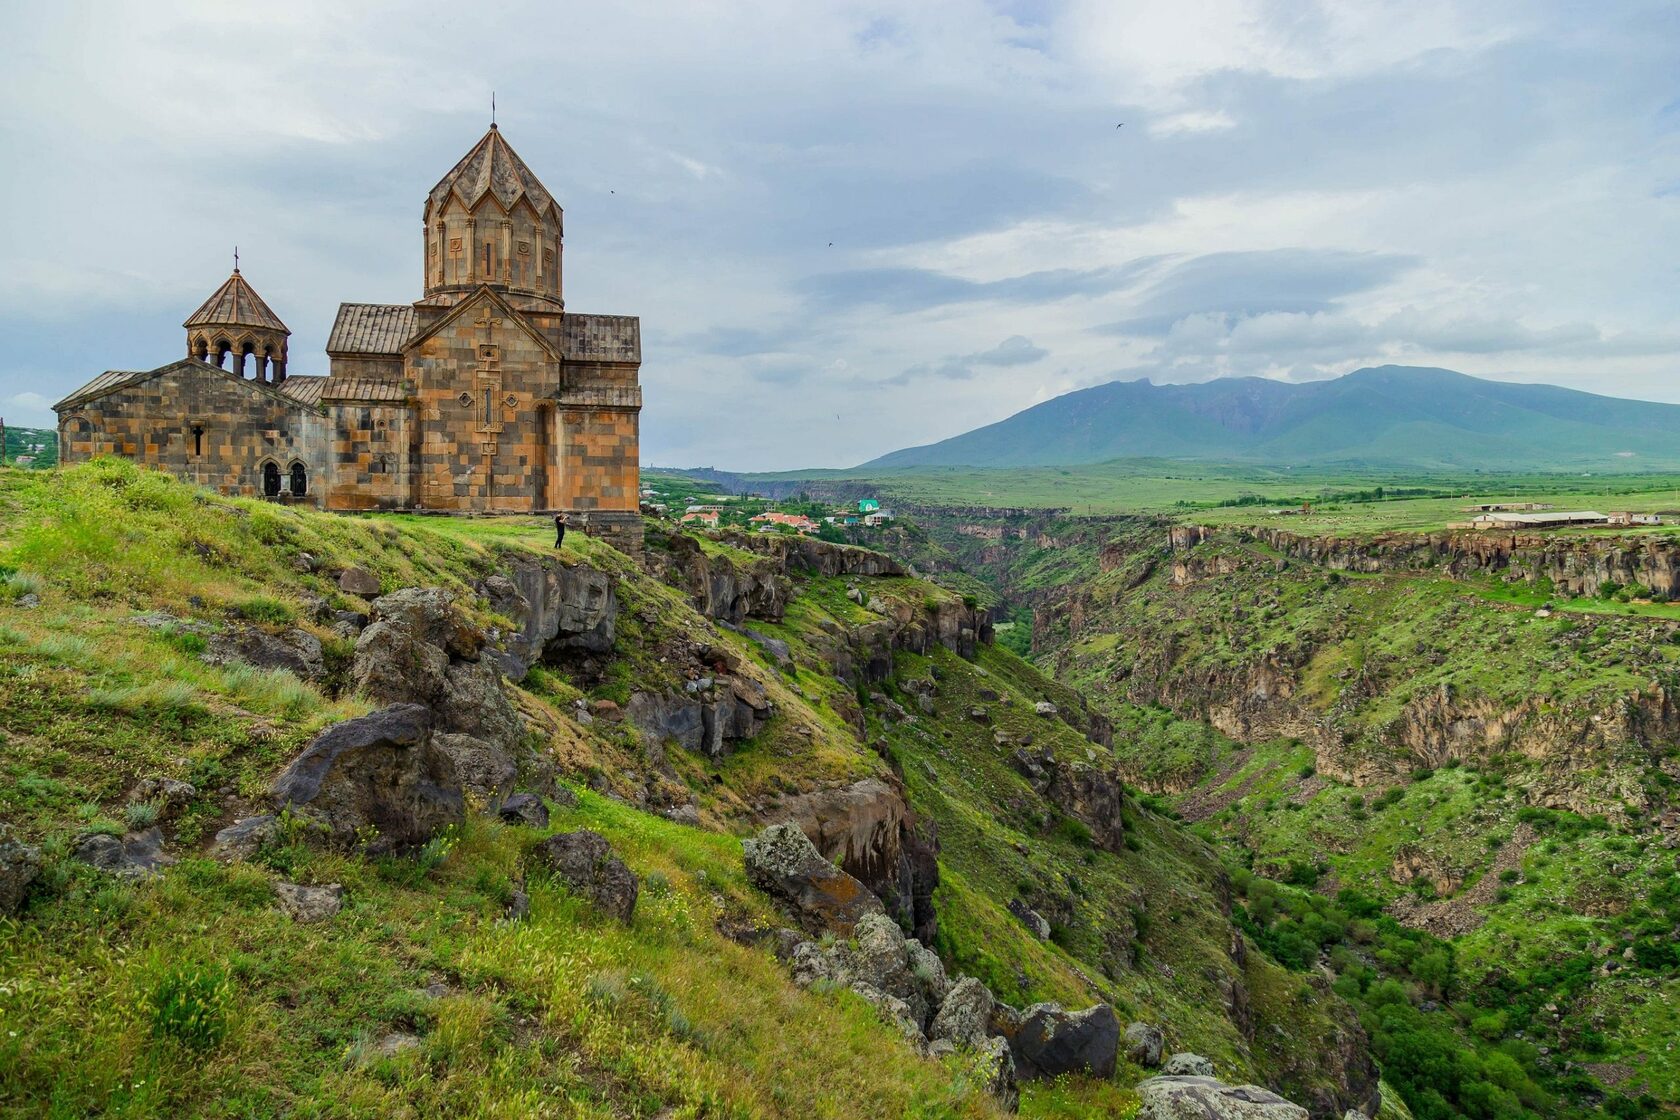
(585, 862)
(799, 554)
(706, 717)
(1191, 1097)
(378, 781)
(728, 588)
(1088, 794)
(782, 862)
(555, 607)
(421, 650)
(1574, 565)
(868, 831)
(245, 838)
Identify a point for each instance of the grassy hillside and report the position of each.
(1387, 415)
(192, 995)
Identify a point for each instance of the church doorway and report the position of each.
(299, 480)
(271, 479)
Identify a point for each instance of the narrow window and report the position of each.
(300, 480)
(486, 407)
(198, 439)
(271, 480)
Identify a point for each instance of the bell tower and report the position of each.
(491, 221)
(234, 325)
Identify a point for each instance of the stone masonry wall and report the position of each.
(243, 426)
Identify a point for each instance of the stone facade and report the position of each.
(484, 396)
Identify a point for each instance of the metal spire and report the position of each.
(236, 258)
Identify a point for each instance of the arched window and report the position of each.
(271, 479)
(300, 480)
(222, 350)
(198, 439)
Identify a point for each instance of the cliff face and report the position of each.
(1250, 632)
(1574, 565)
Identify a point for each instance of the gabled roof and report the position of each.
(493, 168)
(106, 382)
(303, 389)
(236, 303)
(371, 328)
(508, 315)
(342, 388)
(112, 380)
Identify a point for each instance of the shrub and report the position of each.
(141, 815)
(264, 608)
(189, 1005)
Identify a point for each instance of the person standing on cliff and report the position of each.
(559, 529)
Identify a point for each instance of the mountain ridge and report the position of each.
(1392, 415)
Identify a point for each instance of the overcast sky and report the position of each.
(849, 228)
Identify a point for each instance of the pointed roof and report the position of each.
(236, 303)
(492, 167)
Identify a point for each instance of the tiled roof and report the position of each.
(371, 328)
(492, 167)
(104, 383)
(363, 389)
(603, 338)
(235, 303)
(303, 389)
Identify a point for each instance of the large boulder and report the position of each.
(138, 855)
(1186, 1064)
(585, 862)
(902, 967)
(380, 776)
(485, 771)
(295, 650)
(998, 1073)
(19, 865)
(1187, 1097)
(782, 861)
(1144, 1045)
(1049, 1041)
(245, 838)
(524, 809)
(965, 1016)
(473, 701)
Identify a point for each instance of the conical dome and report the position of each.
(235, 324)
(235, 303)
(493, 168)
(490, 221)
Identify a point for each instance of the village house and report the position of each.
(486, 395)
(1555, 520)
(771, 519)
(706, 517)
(878, 518)
(1630, 518)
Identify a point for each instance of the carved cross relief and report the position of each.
(487, 381)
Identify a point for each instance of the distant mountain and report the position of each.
(1389, 415)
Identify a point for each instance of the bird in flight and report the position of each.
(831, 244)
(1122, 124)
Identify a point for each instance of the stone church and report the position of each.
(485, 395)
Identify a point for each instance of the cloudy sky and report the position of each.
(849, 227)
